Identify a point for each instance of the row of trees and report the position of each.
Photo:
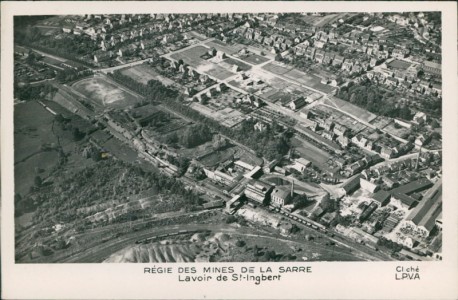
(375, 99)
(154, 90)
(32, 92)
(72, 48)
(191, 137)
(68, 75)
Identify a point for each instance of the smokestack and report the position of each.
(292, 188)
(418, 159)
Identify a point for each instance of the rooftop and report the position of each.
(381, 196)
(414, 186)
(429, 209)
(280, 192)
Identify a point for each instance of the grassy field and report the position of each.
(120, 150)
(191, 56)
(305, 79)
(32, 127)
(351, 109)
(309, 81)
(217, 157)
(254, 59)
(197, 35)
(248, 157)
(226, 48)
(309, 151)
(399, 64)
(277, 68)
(34, 133)
(143, 73)
(105, 93)
(218, 72)
(242, 66)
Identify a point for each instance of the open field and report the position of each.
(52, 61)
(277, 68)
(309, 80)
(32, 128)
(305, 79)
(120, 150)
(143, 73)
(227, 48)
(351, 109)
(217, 157)
(309, 151)
(248, 157)
(279, 83)
(191, 56)
(218, 72)
(197, 35)
(319, 21)
(242, 66)
(399, 64)
(105, 93)
(226, 116)
(25, 172)
(254, 59)
(38, 140)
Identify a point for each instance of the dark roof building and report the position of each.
(351, 185)
(423, 217)
(382, 197)
(406, 201)
(414, 186)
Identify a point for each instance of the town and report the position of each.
(320, 129)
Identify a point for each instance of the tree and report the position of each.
(270, 255)
(327, 204)
(231, 219)
(38, 181)
(240, 243)
(59, 118)
(77, 134)
(299, 201)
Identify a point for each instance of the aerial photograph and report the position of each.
(228, 137)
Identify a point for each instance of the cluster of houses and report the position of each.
(277, 42)
(333, 131)
(122, 35)
(405, 74)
